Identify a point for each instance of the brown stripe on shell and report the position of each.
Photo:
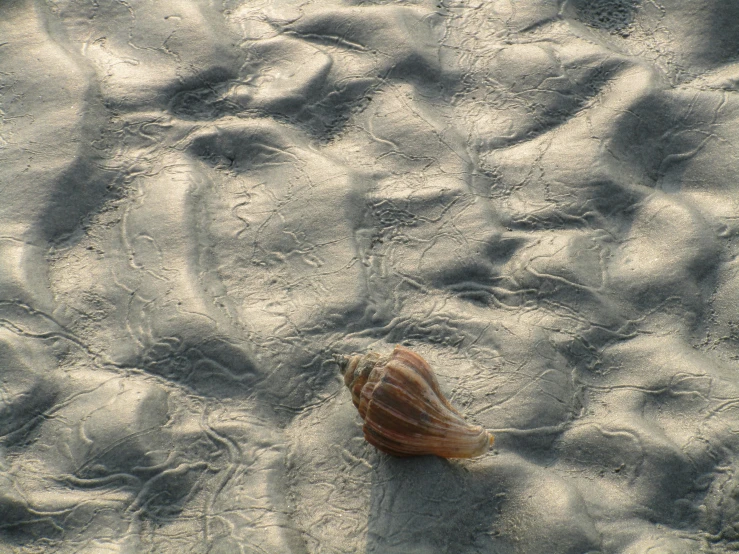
(404, 411)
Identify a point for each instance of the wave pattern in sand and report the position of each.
(201, 202)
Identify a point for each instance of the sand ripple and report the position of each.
(201, 202)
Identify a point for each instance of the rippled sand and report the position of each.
(202, 202)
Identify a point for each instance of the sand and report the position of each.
(201, 203)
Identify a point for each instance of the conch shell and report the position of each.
(404, 411)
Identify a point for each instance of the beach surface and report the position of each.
(203, 202)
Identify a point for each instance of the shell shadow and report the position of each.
(428, 504)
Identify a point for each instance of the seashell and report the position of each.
(404, 411)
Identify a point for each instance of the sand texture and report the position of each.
(202, 202)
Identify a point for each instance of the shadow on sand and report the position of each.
(428, 504)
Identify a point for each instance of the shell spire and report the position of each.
(404, 411)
